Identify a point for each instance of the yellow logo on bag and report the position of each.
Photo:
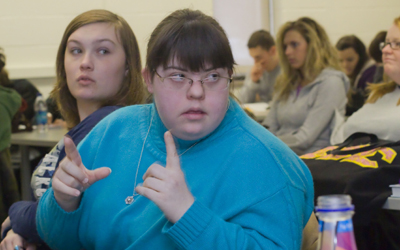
(361, 159)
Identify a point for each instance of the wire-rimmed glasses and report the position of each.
(213, 82)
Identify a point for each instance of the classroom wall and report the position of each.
(31, 30)
(364, 18)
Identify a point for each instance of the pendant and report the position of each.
(129, 200)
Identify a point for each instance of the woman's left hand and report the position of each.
(12, 240)
(166, 186)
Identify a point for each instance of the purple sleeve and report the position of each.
(366, 77)
(23, 220)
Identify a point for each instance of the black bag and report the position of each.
(363, 167)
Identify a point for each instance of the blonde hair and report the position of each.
(320, 55)
(132, 89)
(378, 90)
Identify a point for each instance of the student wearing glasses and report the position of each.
(309, 89)
(189, 171)
(380, 115)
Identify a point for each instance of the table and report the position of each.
(34, 138)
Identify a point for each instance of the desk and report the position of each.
(259, 110)
(34, 138)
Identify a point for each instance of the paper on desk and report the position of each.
(259, 109)
(256, 107)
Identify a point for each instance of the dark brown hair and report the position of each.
(4, 80)
(261, 38)
(132, 89)
(191, 37)
(374, 51)
(354, 42)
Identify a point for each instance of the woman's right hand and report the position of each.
(72, 178)
(12, 239)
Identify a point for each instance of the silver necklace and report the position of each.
(130, 199)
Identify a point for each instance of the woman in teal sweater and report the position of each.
(190, 171)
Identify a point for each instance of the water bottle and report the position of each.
(41, 113)
(335, 214)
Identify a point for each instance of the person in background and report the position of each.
(189, 171)
(10, 102)
(54, 114)
(261, 79)
(98, 71)
(358, 67)
(309, 89)
(28, 91)
(376, 54)
(380, 115)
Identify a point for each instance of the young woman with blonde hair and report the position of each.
(309, 89)
(98, 71)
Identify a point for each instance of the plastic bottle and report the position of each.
(41, 113)
(335, 223)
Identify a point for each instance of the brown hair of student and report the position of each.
(351, 41)
(191, 37)
(4, 80)
(374, 51)
(132, 89)
(261, 38)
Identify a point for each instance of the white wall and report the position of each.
(31, 30)
(363, 18)
(240, 19)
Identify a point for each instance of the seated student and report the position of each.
(261, 79)
(376, 54)
(310, 88)
(381, 113)
(10, 102)
(189, 171)
(28, 91)
(358, 67)
(98, 71)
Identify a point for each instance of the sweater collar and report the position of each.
(156, 134)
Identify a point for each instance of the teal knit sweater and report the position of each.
(251, 191)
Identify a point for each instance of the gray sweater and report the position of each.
(304, 120)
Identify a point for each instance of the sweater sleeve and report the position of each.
(22, 216)
(330, 95)
(200, 228)
(53, 221)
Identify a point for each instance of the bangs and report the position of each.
(195, 45)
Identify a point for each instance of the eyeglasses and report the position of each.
(213, 82)
(393, 45)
